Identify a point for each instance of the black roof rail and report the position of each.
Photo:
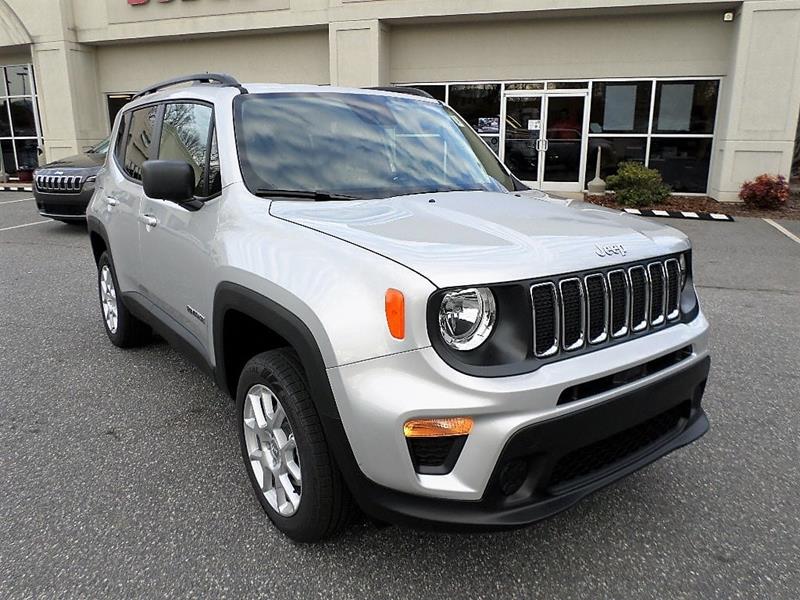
(218, 78)
(401, 89)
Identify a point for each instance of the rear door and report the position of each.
(176, 239)
(123, 193)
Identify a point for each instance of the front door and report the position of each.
(176, 241)
(544, 139)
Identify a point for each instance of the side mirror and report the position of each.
(171, 180)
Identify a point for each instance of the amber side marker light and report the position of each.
(396, 313)
(444, 427)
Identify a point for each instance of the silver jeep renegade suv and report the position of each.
(401, 329)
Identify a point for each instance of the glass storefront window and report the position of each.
(5, 122)
(19, 130)
(612, 152)
(493, 141)
(18, 80)
(22, 117)
(524, 86)
(567, 85)
(685, 106)
(437, 91)
(7, 151)
(682, 162)
(27, 153)
(620, 107)
(676, 116)
(479, 105)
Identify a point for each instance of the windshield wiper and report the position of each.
(311, 195)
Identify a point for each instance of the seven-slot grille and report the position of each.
(602, 306)
(59, 184)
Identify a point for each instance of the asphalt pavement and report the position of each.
(120, 473)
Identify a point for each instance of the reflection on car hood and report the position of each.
(77, 161)
(463, 238)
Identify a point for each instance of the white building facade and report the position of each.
(706, 92)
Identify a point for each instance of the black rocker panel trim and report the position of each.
(176, 334)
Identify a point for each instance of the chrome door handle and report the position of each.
(112, 201)
(546, 144)
(538, 144)
(148, 220)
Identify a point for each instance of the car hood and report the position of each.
(77, 161)
(469, 238)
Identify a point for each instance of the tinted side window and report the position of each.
(214, 176)
(140, 138)
(186, 135)
(119, 144)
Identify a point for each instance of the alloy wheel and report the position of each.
(108, 299)
(272, 450)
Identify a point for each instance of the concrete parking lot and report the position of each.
(120, 472)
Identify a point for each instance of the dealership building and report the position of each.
(707, 92)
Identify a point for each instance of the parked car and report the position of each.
(400, 332)
(63, 188)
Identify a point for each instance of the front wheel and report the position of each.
(284, 450)
(123, 329)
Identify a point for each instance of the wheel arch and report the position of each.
(282, 326)
(97, 237)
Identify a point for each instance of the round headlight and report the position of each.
(466, 317)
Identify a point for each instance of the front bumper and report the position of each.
(590, 432)
(517, 418)
(63, 206)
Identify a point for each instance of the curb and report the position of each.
(679, 214)
(16, 188)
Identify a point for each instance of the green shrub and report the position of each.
(636, 185)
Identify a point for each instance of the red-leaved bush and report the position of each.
(767, 191)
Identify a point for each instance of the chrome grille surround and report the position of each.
(658, 293)
(604, 298)
(614, 309)
(634, 275)
(673, 286)
(568, 297)
(59, 184)
(647, 296)
(540, 311)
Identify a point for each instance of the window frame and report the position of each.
(155, 144)
(128, 122)
(209, 138)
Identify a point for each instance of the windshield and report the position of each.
(488, 158)
(360, 145)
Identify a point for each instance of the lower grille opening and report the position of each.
(614, 450)
(63, 208)
(435, 455)
(609, 382)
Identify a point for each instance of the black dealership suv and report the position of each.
(63, 188)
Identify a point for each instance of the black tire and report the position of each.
(326, 506)
(130, 331)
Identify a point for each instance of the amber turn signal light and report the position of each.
(396, 313)
(444, 427)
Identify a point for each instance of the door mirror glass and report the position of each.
(171, 180)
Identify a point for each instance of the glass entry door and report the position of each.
(544, 139)
(523, 137)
